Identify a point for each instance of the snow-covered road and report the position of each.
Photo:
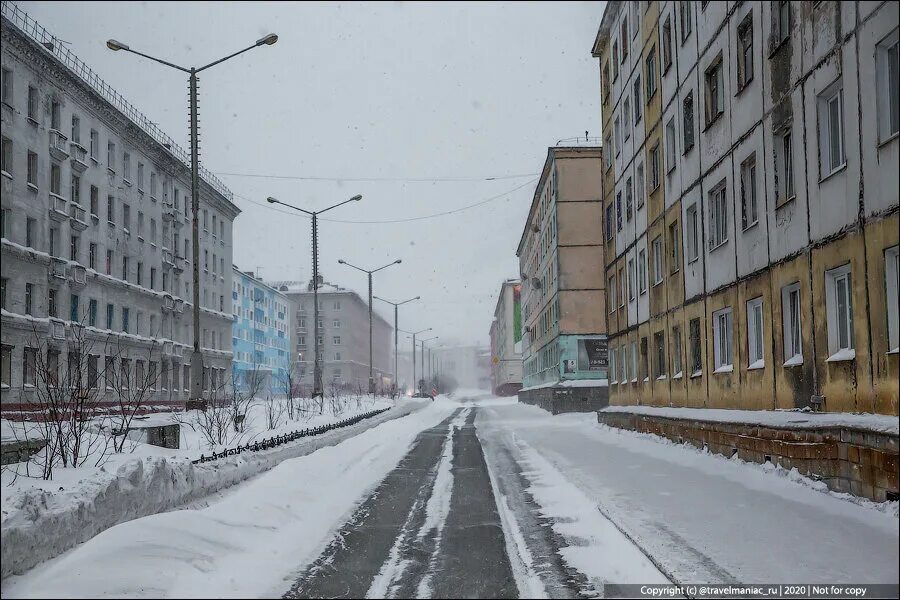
(480, 496)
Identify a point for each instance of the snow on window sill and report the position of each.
(725, 369)
(757, 364)
(661, 377)
(894, 351)
(844, 354)
(696, 374)
(794, 361)
(6, 174)
(678, 375)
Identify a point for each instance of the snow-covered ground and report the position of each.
(244, 544)
(700, 516)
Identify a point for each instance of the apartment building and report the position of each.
(260, 335)
(96, 231)
(506, 340)
(751, 203)
(343, 337)
(562, 292)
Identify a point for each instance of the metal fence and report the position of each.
(34, 30)
(289, 437)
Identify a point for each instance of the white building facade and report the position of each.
(96, 230)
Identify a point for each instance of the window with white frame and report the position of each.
(745, 52)
(675, 351)
(642, 271)
(715, 91)
(654, 167)
(782, 14)
(637, 98)
(657, 258)
(888, 86)
(784, 156)
(831, 129)
(619, 211)
(617, 135)
(722, 335)
(624, 364)
(659, 347)
(684, 14)
(639, 185)
(790, 316)
(631, 276)
(692, 232)
(674, 248)
(613, 369)
(634, 361)
(749, 205)
(651, 73)
(670, 145)
(610, 291)
(839, 313)
(718, 217)
(624, 31)
(629, 199)
(667, 44)
(626, 118)
(622, 287)
(755, 334)
(892, 284)
(607, 152)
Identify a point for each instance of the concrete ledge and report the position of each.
(860, 462)
(560, 399)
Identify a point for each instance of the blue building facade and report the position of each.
(260, 335)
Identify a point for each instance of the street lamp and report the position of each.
(414, 334)
(317, 366)
(396, 330)
(369, 273)
(429, 353)
(196, 356)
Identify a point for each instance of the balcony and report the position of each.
(77, 217)
(57, 329)
(179, 305)
(168, 348)
(77, 275)
(167, 259)
(179, 265)
(59, 145)
(57, 270)
(168, 302)
(79, 157)
(59, 210)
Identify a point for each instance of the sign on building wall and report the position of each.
(593, 355)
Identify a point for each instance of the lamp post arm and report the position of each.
(221, 60)
(159, 60)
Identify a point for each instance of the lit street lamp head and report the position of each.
(115, 46)
(271, 200)
(341, 261)
(356, 198)
(398, 261)
(268, 40)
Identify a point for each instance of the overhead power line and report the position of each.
(372, 179)
(404, 220)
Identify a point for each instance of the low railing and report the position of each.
(289, 437)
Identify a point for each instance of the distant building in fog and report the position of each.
(506, 340)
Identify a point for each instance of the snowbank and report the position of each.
(38, 524)
(785, 419)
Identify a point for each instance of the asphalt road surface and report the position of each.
(432, 528)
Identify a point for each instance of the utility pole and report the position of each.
(369, 272)
(414, 334)
(396, 335)
(196, 355)
(318, 391)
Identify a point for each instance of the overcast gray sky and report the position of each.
(393, 91)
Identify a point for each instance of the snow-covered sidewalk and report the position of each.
(246, 543)
(702, 518)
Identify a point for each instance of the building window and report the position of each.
(7, 94)
(696, 354)
(839, 313)
(624, 31)
(92, 312)
(607, 83)
(629, 199)
(110, 210)
(715, 91)
(619, 211)
(651, 73)
(722, 340)
(782, 14)
(624, 364)
(639, 190)
(617, 136)
(336, 323)
(654, 167)
(109, 262)
(32, 168)
(718, 217)
(55, 117)
(76, 129)
(892, 284)
(631, 280)
(755, 334)
(687, 113)
(637, 98)
(336, 340)
(790, 308)
(745, 52)
(659, 345)
(831, 129)
(676, 351)
(622, 287)
(784, 176)
(52, 309)
(684, 9)
(888, 86)
(615, 59)
(626, 118)
(670, 145)
(30, 229)
(667, 44)
(5, 366)
(74, 246)
(29, 298)
(749, 208)
(111, 156)
(607, 152)
(95, 143)
(29, 367)
(55, 179)
(126, 168)
(657, 258)
(642, 271)
(32, 103)
(6, 155)
(73, 308)
(674, 246)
